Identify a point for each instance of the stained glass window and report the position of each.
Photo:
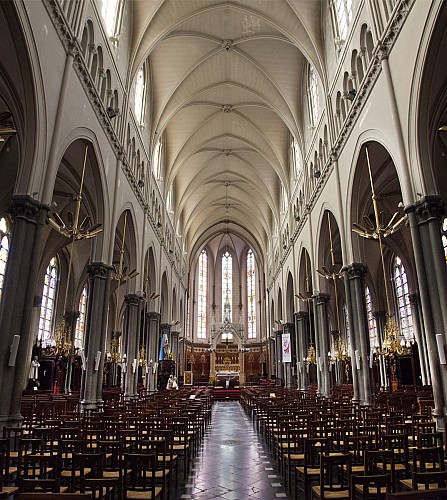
(4, 250)
(372, 324)
(444, 237)
(140, 86)
(227, 285)
(343, 14)
(313, 95)
(80, 323)
(403, 300)
(48, 303)
(202, 295)
(251, 295)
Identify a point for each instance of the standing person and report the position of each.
(34, 372)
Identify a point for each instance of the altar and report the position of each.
(227, 380)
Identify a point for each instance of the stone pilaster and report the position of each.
(358, 323)
(132, 330)
(302, 345)
(95, 335)
(322, 343)
(272, 356)
(152, 335)
(29, 219)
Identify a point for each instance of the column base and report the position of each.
(10, 421)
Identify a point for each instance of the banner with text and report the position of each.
(286, 348)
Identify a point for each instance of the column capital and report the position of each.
(165, 328)
(153, 316)
(356, 270)
(288, 327)
(322, 298)
(132, 299)
(98, 270)
(379, 315)
(27, 208)
(301, 315)
(427, 208)
(71, 317)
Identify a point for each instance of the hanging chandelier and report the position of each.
(377, 230)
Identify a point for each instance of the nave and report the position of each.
(233, 463)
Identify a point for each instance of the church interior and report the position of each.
(223, 249)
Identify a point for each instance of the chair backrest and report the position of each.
(314, 448)
(437, 494)
(370, 486)
(54, 496)
(139, 471)
(428, 459)
(380, 462)
(331, 480)
(429, 480)
(40, 485)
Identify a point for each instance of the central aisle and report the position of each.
(232, 463)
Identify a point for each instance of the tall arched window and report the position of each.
(4, 250)
(296, 158)
(80, 322)
(251, 295)
(156, 160)
(343, 17)
(444, 237)
(202, 295)
(403, 300)
(48, 303)
(112, 11)
(140, 101)
(313, 95)
(227, 285)
(372, 324)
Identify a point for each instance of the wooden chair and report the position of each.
(309, 472)
(334, 479)
(368, 487)
(139, 472)
(381, 462)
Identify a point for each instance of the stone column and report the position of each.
(153, 328)
(272, 356)
(380, 317)
(302, 344)
(289, 328)
(322, 344)
(132, 334)
(357, 387)
(95, 333)
(424, 219)
(358, 324)
(278, 352)
(174, 349)
(29, 219)
(71, 319)
(420, 337)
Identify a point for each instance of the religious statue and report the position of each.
(166, 350)
(34, 372)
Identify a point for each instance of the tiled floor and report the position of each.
(232, 463)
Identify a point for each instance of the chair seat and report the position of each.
(143, 494)
(316, 493)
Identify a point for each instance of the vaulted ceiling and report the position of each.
(226, 91)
